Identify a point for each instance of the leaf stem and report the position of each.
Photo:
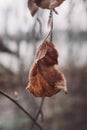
(51, 30)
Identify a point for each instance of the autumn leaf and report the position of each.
(56, 3)
(45, 78)
(45, 4)
(33, 7)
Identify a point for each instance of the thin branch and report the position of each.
(40, 24)
(40, 109)
(20, 107)
(51, 16)
(39, 112)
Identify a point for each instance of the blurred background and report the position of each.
(20, 36)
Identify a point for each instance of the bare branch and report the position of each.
(39, 113)
(20, 107)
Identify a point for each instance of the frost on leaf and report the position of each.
(45, 4)
(45, 78)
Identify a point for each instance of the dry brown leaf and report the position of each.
(45, 79)
(33, 7)
(45, 4)
(56, 4)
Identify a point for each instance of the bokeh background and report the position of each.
(20, 36)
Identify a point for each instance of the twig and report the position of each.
(39, 25)
(40, 109)
(39, 112)
(51, 32)
(19, 106)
